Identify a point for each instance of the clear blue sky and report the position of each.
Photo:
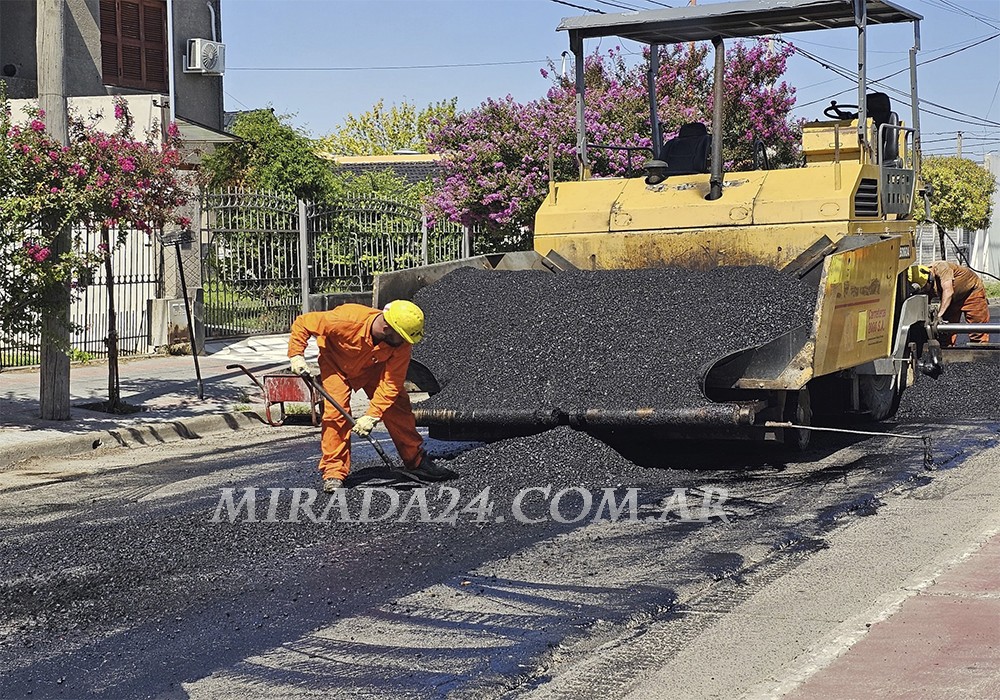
(301, 40)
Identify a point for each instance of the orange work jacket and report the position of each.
(344, 337)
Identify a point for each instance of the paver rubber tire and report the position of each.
(879, 395)
(798, 410)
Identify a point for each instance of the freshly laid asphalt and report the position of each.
(950, 627)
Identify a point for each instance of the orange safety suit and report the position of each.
(969, 298)
(348, 360)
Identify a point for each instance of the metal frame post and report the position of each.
(654, 117)
(715, 181)
(304, 255)
(190, 319)
(915, 99)
(423, 237)
(576, 46)
(466, 241)
(861, 20)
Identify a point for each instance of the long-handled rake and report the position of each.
(396, 471)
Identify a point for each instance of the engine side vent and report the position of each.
(866, 198)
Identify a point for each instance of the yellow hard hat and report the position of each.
(406, 318)
(919, 275)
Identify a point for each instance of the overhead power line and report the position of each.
(966, 138)
(846, 73)
(938, 58)
(579, 7)
(355, 68)
(620, 6)
(959, 10)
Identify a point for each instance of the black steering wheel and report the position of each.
(836, 111)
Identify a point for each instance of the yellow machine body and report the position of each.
(764, 217)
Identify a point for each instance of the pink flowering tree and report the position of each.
(495, 157)
(106, 183)
(758, 105)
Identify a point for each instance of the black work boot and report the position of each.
(427, 470)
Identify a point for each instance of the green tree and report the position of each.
(961, 192)
(273, 155)
(382, 184)
(381, 131)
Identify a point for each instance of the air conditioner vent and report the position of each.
(205, 57)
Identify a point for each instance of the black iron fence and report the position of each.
(263, 251)
(253, 270)
(136, 266)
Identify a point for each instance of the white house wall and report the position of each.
(150, 113)
(986, 244)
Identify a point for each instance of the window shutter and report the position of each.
(154, 34)
(110, 70)
(133, 43)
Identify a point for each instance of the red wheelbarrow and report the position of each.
(282, 386)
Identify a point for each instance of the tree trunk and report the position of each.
(114, 383)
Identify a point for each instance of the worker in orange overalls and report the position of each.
(961, 292)
(363, 348)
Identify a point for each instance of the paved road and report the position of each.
(116, 583)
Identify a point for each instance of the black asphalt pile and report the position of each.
(561, 455)
(962, 391)
(590, 339)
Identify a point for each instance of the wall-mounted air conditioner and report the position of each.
(205, 57)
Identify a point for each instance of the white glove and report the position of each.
(298, 364)
(364, 425)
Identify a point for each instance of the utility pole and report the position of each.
(53, 388)
(958, 150)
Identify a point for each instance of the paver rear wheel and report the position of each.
(798, 410)
(879, 394)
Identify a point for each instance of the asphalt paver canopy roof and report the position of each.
(577, 340)
(749, 18)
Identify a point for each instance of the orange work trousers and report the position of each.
(976, 310)
(336, 434)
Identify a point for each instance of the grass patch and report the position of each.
(993, 289)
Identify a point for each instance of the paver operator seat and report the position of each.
(687, 153)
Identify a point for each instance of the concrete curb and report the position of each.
(140, 435)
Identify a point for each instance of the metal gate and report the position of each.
(250, 262)
(254, 275)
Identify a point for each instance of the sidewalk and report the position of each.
(942, 642)
(164, 386)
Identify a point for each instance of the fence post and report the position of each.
(423, 236)
(304, 254)
(466, 241)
